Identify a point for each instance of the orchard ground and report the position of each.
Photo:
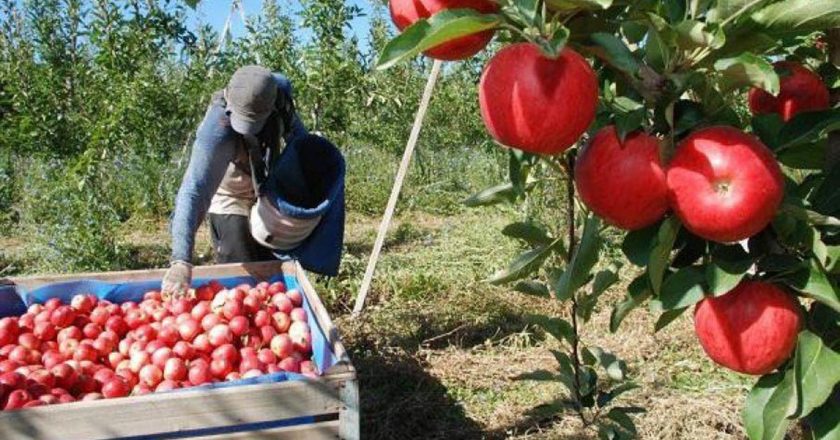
(437, 348)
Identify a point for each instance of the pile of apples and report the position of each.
(93, 349)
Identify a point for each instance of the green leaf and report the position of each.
(605, 398)
(811, 281)
(771, 401)
(727, 269)
(798, 16)
(767, 127)
(681, 289)
(538, 375)
(557, 327)
(527, 232)
(553, 46)
(692, 34)
(522, 266)
(623, 420)
(804, 157)
(616, 368)
(826, 198)
(817, 372)
(825, 421)
(687, 115)
(637, 292)
(567, 371)
(633, 31)
(626, 123)
(734, 8)
(667, 318)
(638, 244)
(491, 196)
(442, 27)
(584, 258)
(534, 288)
(528, 8)
(660, 255)
(657, 50)
(615, 52)
(747, 70)
(191, 3)
(603, 280)
(808, 127)
(568, 5)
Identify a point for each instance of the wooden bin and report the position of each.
(320, 409)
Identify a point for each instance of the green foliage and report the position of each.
(100, 102)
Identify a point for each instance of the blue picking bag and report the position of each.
(14, 301)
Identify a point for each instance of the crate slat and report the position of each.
(262, 270)
(315, 431)
(173, 412)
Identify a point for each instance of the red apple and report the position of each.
(151, 375)
(537, 104)
(83, 303)
(606, 167)
(239, 325)
(115, 387)
(175, 369)
(200, 374)
(405, 12)
(17, 399)
(751, 329)
(724, 184)
(220, 334)
(62, 316)
(183, 350)
(800, 91)
(296, 297)
(282, 346)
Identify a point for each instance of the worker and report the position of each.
(262, 204)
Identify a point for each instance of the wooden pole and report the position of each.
(395, 191)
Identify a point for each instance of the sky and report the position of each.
(215, 12)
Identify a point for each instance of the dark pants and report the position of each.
(232, 240)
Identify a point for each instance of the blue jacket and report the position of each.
(305, 181)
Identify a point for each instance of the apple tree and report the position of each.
(699, 135)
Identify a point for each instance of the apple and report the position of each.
(535, 103)
(800, 90)
(724, 184)
(282, 346)
(606, 167)
(175, 370)
(405, 12)
(115, 387)
(751, 329)
(151, 375)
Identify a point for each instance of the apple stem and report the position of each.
(570, 208)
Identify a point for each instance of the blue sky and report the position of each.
(215, 12)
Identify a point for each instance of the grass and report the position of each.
(437, 348)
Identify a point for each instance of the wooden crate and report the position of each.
(302, 409)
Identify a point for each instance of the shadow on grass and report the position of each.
(400, 400)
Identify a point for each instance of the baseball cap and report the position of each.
(250, 96)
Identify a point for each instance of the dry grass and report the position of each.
(441, 364)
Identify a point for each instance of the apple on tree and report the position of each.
(622, 182)
(405, 12)
(800, 90)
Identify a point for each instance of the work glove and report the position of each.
(177, 281)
